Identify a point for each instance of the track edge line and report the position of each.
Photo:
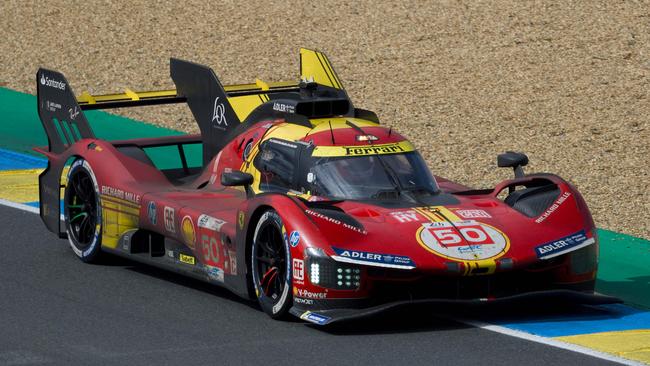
(20, 206)
(550, 342)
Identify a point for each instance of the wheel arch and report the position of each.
(248, 244)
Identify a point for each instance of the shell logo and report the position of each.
(188, 232)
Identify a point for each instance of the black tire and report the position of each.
(82, 212)
(270, 263)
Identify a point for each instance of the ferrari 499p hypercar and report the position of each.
(292, 196)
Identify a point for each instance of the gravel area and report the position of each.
(565, 82)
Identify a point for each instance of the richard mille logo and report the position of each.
(219, 113)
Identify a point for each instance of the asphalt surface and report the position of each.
(54, 309)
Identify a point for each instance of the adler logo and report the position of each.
(52, 83)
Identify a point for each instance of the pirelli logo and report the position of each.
(394, 148)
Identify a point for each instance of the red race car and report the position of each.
(292, 196)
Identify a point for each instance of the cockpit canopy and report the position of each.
(368, 172)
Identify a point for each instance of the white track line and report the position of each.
(550, 342)
(19, 206)
(474, 323)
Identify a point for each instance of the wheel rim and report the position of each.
(81, 208)
(270, 258)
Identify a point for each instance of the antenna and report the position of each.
(390, 130)
(331, 132)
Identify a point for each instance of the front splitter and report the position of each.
(331, 316)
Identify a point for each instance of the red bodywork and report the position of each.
(474, 245)
(385, 231)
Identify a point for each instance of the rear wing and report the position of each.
(221, 112)
(218, 110)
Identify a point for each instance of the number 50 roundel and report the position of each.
(465, 240)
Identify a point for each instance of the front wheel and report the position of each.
(82, 212)
(270, 261)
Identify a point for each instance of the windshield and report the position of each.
(371, 177)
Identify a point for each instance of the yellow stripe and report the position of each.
(323, 63)
(262, 85)
(131, 94)
(245, 104)
(312, 66)
(126, 206)
(323, 124)
(19, 185)
(20, 171)
(630, 344)
(331, 71)
(86, 98)
(364, 150)
(118, 216)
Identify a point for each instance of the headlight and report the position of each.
(327, 273)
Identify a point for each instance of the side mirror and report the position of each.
(514, 160)
(236, 179)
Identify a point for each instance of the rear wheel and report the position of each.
(82, 212)
(270, 265)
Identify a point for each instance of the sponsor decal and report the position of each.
(187, 259)
(210, 223)
(52, 83)
(473, 214)
(118, 193)
(232, 259)
(335, 221)
(215, 168)
(52, 106)
(298, 270)
(558, 202)
(294, 239)
(374, 257)
(283, 143)
(393, 148)
(298, 300)
(286, 108)
(467, 240)
(74, 112)
(308, 294)
(219, 114)
(210, 248)
(170, 219)
(564, 245)
(214, 273)
(126, 241)
(170, 253)
(315, 318)
(187, 229)
(241, 219)
(151, 212)
(372, 150)
(406, 216)
(367, 138)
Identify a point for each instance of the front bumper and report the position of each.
(330, 316)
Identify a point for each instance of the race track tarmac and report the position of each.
(54, 309)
